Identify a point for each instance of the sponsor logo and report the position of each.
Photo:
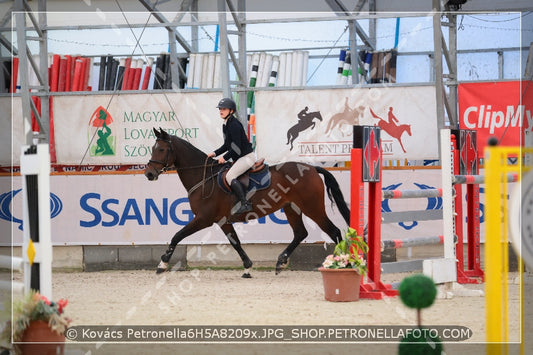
(306, 120)
(483, 116)
(392, 126)
(111, 212)
(6, 199)
(102, 141)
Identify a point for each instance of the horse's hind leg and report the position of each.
(294, 216)
(236, 244)
(323, 221)
(314, 208)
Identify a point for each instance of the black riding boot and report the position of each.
(242, 205)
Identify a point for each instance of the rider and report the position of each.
(392, 119)
(237, 148)
(303, 114)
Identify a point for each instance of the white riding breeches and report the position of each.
(240, 166)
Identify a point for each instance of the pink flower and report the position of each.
(62, 303)
(45, 300)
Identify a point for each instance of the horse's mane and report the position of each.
(190, 146)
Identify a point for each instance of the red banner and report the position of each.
(499, 109)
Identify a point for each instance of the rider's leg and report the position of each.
(237, 169)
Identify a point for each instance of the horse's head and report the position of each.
(162, 156)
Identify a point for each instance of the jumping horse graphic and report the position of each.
(349, 117)
(305, 120)
(395, 131)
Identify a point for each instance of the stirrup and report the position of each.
(241, 208)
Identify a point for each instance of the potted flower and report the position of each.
(342, 270)
(37, 320)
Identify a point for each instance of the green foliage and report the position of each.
(348, 253)
(425, 345)
(418, 291)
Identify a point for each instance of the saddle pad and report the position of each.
(258, 180)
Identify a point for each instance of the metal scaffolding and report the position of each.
(231, 15)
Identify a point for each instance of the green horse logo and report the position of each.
(99, 128)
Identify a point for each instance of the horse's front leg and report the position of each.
(236, 244)
(192, 227)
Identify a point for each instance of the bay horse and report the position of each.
(295, 187)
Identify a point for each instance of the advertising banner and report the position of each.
(126, 209)
(301, 125)
(497, 109)
(105, 129)
(316, 125)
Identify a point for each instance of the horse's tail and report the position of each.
(335, 193)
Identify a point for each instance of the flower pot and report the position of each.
(40, 339)
(340, 285)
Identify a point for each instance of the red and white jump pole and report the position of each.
(366, 169)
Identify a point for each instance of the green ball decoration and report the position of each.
(413, 344)
(417, 291)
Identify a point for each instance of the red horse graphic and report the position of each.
(391, 128)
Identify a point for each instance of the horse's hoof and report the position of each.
(246, 276)
(162, 267)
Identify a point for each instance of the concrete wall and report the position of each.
(305, 257)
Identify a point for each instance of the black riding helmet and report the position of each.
(227, 103)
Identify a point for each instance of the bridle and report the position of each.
(163, 163)
(165, 167)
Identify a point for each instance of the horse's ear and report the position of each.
(163, 133)
(157, 134)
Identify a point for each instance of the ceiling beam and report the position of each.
(161, 18)
(340, 9)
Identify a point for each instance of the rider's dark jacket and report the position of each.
(236, 143)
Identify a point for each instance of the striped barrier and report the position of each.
(443, 269)
(472, 273)
(411, 242)
(480, 179)
(392, 194)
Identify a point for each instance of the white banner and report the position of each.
(316, 125)
(105, 129)
(304, 125)
(129, 209)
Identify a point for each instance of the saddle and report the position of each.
(257, 177)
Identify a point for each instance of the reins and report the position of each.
(205, 165)
(204, 181)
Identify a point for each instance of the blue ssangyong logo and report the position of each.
(56, 206)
